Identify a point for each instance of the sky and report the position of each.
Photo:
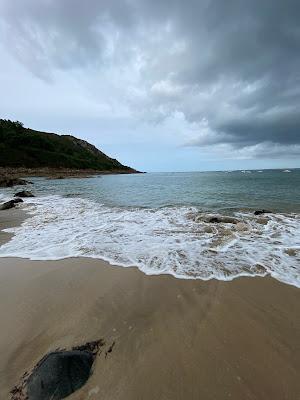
(161, 85)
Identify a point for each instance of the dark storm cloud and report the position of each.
(231, 67)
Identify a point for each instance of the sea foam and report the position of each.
(173, 240)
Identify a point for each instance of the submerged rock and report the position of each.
(291, 252)
(221, 219)
(214, 220)
(241, 226)
(10, 204)
(208, 229)
(261, 212)
(262, 221)
(9, 182)
(24, 193)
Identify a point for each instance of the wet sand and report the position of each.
(174, 339)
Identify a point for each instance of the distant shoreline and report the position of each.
(60, 173)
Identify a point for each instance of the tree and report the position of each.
(18, 124)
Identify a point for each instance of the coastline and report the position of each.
(10, 219)
(174, 339)
(60, 173)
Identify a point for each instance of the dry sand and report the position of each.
(174, 339)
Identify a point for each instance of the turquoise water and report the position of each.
(161, 223)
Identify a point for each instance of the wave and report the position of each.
(4, 197)
(180, 241)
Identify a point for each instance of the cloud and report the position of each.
(229, 68)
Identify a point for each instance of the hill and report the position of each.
(26, 148)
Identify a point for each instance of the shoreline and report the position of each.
(221, 233)
(60, 173)
(174, 338)
(10, 219)
(16, 216)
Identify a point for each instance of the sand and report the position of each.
(174, 339)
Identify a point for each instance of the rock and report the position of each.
(224, 220)
(262, 221)
(196, 218)
(10, 204)
(260, 269)
(208, 229)
(24, 193)
(214, 220)
(226, 232)
(229, 220)
(9, 182)
(291, 252)
(53, 177)
(241, 226)
(260, 212)
(59, 374)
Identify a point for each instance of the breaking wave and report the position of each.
(180, 241)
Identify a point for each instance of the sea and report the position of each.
(192, 225)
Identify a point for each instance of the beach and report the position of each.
(173, 338)
(150, 200)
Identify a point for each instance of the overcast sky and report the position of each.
(162, 85)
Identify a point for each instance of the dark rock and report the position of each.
(53, 177)
(261, 212)
(214, 220)
(24, 193)
(10, 204)
(9, 182)
(59, 374)
(223, 219)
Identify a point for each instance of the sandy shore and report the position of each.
(174, 339)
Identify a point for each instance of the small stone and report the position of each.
(24, 193)
(10, 204)
(241, 226)
(260, 212)
(262, 221)
(229, 220)
(291, 252)
(214, 220)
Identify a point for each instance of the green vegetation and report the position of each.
(23, 147)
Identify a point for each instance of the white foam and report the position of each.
(177, 241)
(4, 197)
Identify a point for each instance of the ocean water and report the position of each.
(160, 222)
